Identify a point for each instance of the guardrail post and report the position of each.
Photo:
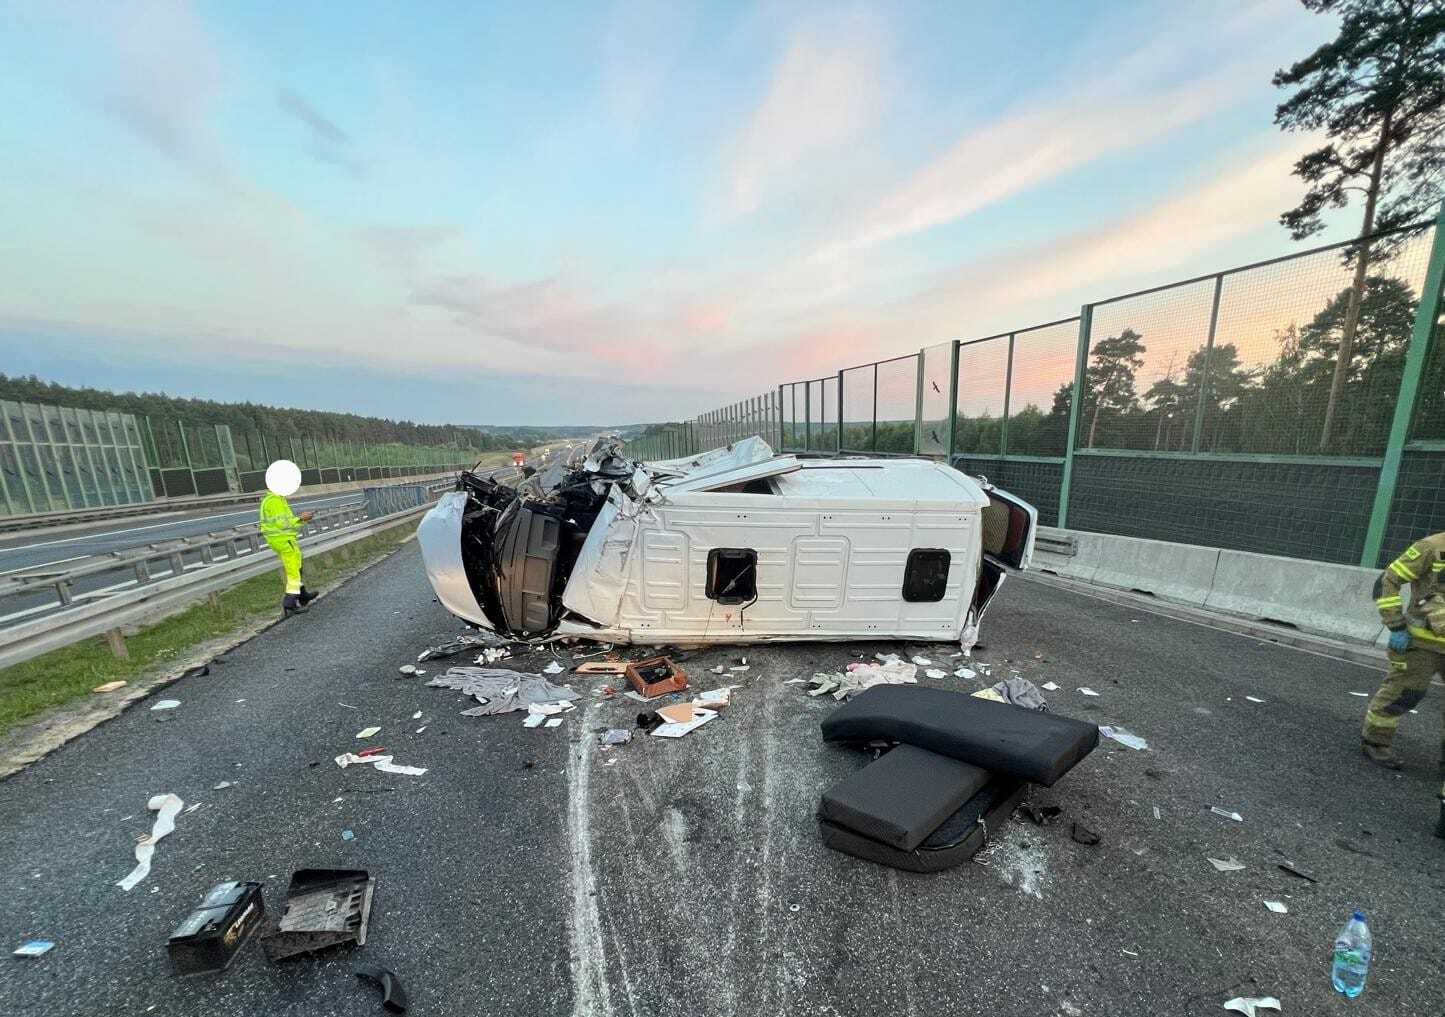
(1427, 316)
(918, 403)
(1081, 365)
(116, 641)
(63, 593)
(178, 563)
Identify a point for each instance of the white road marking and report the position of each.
(42, 565)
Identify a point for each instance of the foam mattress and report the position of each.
(1006, 740)
(901, 797)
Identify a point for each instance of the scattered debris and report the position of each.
(636, 697)
(324, 907)
(1351, 846)
(393, 997)
(673, 729)
(991, 694)
(553, 668)
(385, 765)
(715, 698)
(1362, 695)
(603, 667)
(35, 947)
(1042, 815)
(347, 835)
(375, 750)
(534, 720)
(166, 807)
(407, 669)
(209, 937)
(166, 704)
(860, 676)
(968, 674)
(199, 671)
(1085, 690)
(1289, 867)
(1128, 953)
(1021, 692)
(1277, 907)
(367, 732)
(935, 673)
(796, 681)
(1230, 864)
(1157, 813)
(1226, 813)
(461, 644)
(1123, 737)
(553, 722)
(615, 736)
(1254, 699)
(1050, 686)
(223, 785)
(922, 661)
(1081, 834)
(1248, 1005)
(347, 705)
(499, 690)
(416, 716)
(656, 676)
(421, 729)
(110, 686)
(740, 667)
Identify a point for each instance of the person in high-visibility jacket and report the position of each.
(1416, 652)
(281, 527)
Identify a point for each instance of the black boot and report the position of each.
(306, 596)
(291, 604)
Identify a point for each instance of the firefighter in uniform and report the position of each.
(1417, 648)
(281, 527)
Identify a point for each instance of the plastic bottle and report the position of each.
(1352, 956)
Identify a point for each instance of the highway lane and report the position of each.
(22, 551)
(530, 873)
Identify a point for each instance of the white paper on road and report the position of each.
(1226, 813)
(699, 718)
(348, 759)
(1123, 737)
(968, 674)
(1087, 691)
(553, 722)
(1362, 695)
(167, 704)
(1230, 864)
(167, 807)
(367, 732)
(1050, 686)
(1254, 699)
(1250, 1005)
(1277, 907)
(385, 765)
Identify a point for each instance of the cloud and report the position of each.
(822, 95)
(165, 76)
(405, 248)
(325, 142)
(644, 41)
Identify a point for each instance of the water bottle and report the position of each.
(1352, 956)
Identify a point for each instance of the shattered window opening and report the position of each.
(732, 575)
(926, 576)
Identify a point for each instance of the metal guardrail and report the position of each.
(226, 557)
(40, 520)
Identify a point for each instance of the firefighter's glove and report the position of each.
(1400, 640)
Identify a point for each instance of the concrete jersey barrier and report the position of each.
(1319, 598)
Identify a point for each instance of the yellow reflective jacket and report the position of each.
(278, 523)
(1423, 567)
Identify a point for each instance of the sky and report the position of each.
(572, 213)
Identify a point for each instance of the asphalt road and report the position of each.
(530, 873)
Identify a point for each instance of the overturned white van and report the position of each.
(735, 545)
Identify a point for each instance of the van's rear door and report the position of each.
(1009, 524)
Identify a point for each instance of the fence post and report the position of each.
(838, 449)
(1081, 365)
(952, 400)
(873, 445)
(1008, 384)
(186, 451)
(1204, 373)
(1426, 317)
(918, 403)
(807, 416)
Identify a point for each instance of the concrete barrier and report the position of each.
(1313, 596)
(1319, 598)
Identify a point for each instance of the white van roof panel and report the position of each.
(920, 481)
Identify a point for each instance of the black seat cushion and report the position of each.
(902, 797)
(1003, 739)
(960, 837)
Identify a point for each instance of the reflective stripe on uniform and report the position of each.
(1398, 567)
(1429, 638)
(1437, 566)
(1385, 603)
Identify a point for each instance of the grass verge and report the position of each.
(67, 674)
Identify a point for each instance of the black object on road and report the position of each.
(393, 996)
(324, 907)
(211, 934)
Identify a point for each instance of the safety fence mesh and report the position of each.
(1217, 410)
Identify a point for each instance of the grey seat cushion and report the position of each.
(1004, 739)
(901, 797)
(961, 836)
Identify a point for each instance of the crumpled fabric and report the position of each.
(860, 676)
(1022, 692)
(461, 644)
(501, 691)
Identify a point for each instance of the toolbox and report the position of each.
(656, 676)
(211, 934)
